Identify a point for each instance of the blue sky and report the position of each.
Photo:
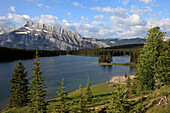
(90, 18)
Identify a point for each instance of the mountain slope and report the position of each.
(46, 37)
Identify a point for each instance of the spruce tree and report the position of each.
(109, 58)
(19, 88)
(151, 53)
(37, 93)
(61, 107)
(102, 59)
(163, 70)
(88, 91)
(81, 102)
(119, 103)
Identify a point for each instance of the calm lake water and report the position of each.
(74, 70)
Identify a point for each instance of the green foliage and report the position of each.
(109, 58)
(126, 75)
(19, 88)
(61, 106)
(102, 58)
(151, 58)
(89, 96)
(37, 92)
(163, 70)
(81, 102)
(134, 57)
(128, 82)
(119, 104)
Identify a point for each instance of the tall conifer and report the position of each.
(119, 103)
(37, 93)
(109, 58)
(150, 57)
(19, 88)
(88, 91)
(61, 107)
(81, 101)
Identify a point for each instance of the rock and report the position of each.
(112, 85)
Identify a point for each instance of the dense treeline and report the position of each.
(130, 50)
(7, 54)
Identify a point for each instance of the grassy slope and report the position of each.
(102, 95)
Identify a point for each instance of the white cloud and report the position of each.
(125, 2)
(21, 19)
(100, 17)
(146, 1)
(4, 22)
(39, 5)
(117, 11)
(12, 8)
(42, 5)
(130, 20)
(138, 11)
(48, 7)
(130, 26)
(78, 4)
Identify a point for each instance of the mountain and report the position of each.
(46, 37)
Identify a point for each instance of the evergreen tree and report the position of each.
(126, 75)
(19, 88)
(163, 70)
(128, 82)
(147, 69)
(88, 91)
(61, 107)
(119, 103)
(109, 58)
(37, 93)
(102, 59)
(81, 103)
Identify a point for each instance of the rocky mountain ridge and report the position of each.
(41, 36)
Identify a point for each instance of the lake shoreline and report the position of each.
(122, 64)
(115, 79)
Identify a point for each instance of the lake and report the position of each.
(74, 70)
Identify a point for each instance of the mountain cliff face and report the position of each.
(41, 36)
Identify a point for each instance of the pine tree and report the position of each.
(19, 88)
(88, 91)
(81, 103)
(37, 93)
(147, 68)
(109, 58)
(61, 107)
(119, 103)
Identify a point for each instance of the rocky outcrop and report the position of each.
(41, 36)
